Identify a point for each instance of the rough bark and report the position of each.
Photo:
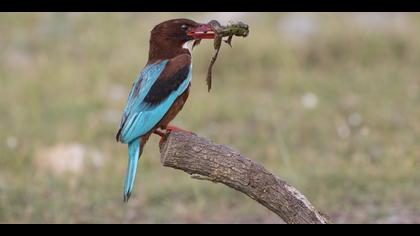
(200, 157)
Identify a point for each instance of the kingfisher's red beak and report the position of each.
(203, 31)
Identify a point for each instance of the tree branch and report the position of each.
(221, 164)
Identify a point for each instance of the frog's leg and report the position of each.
(229, 40)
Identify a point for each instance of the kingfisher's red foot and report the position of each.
(169, 128)
(172, 127)
(160, 133)
(162, 136)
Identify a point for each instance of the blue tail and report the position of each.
(133, 157)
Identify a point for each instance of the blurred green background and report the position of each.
(328, 102)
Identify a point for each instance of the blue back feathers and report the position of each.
(140, 116)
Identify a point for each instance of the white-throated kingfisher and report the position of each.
(161, 89)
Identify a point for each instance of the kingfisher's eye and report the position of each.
(184, 27)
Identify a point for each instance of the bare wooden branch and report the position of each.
(200, 157)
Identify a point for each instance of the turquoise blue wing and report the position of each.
(150, 99)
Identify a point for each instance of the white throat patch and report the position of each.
(189, 45)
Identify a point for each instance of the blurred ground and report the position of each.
(329, 102)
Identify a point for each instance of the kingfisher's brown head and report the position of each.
(173, 37)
